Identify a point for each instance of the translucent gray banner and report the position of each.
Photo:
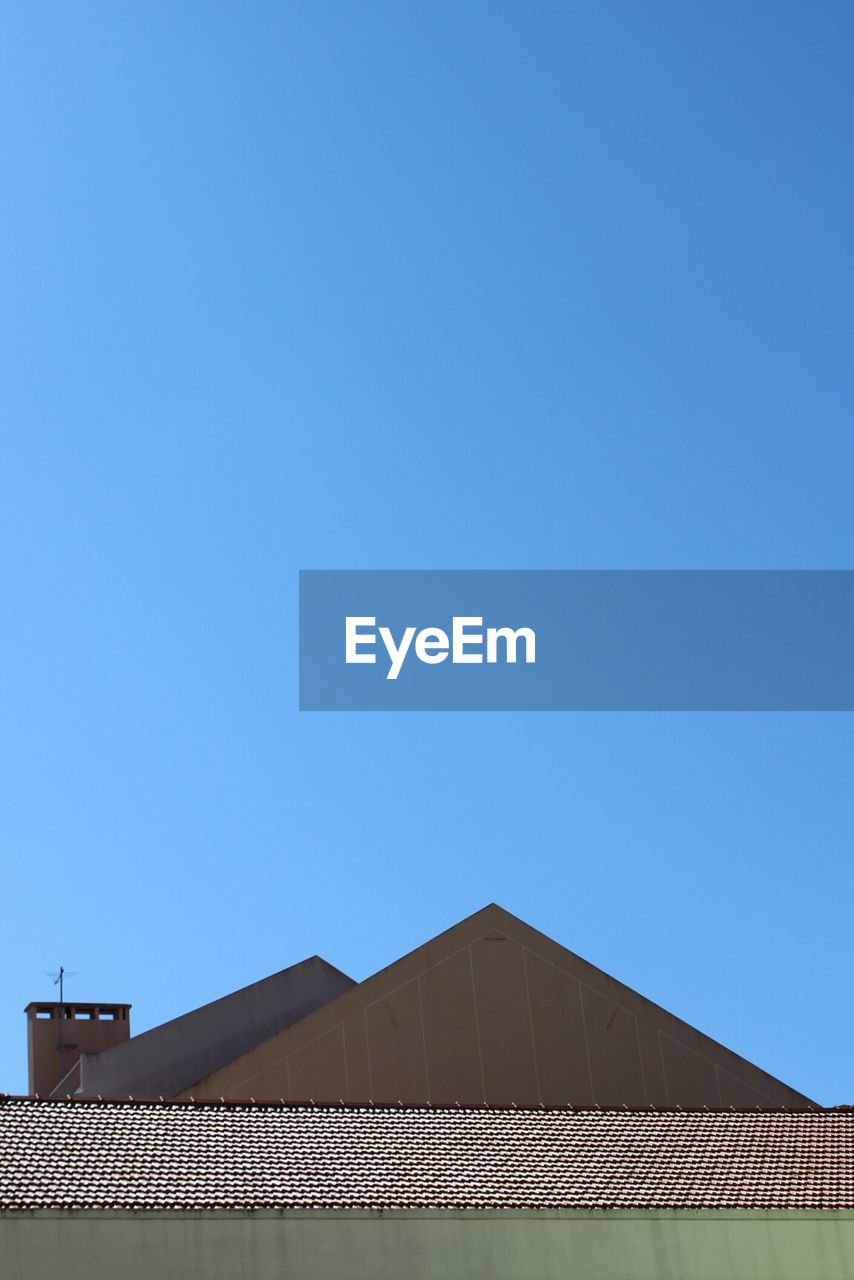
(539, 640)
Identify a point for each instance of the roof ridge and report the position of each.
(342, 1104)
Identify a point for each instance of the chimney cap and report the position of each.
(87, 1006)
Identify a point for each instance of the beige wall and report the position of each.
(494, 1012)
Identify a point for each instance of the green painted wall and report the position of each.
(427, 1246)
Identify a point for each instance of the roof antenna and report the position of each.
(59, 980)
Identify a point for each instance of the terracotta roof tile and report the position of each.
(148, 1156)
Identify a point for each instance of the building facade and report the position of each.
(490, 1012)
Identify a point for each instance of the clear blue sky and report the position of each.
(383, 285)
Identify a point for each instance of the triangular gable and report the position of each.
(492, 1011)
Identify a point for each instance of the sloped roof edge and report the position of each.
(170, 1057)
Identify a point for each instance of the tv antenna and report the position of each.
(59, 977)
(59, 981)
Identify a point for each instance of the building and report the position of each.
(490, 1012)
(93, 1189)
(488, 1107)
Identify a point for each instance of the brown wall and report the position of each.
(494, 1012)
(58, 1033)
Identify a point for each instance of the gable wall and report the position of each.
(494, 1012)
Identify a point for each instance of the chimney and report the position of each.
(57, 1034)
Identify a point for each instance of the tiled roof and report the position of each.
(148, 1156)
